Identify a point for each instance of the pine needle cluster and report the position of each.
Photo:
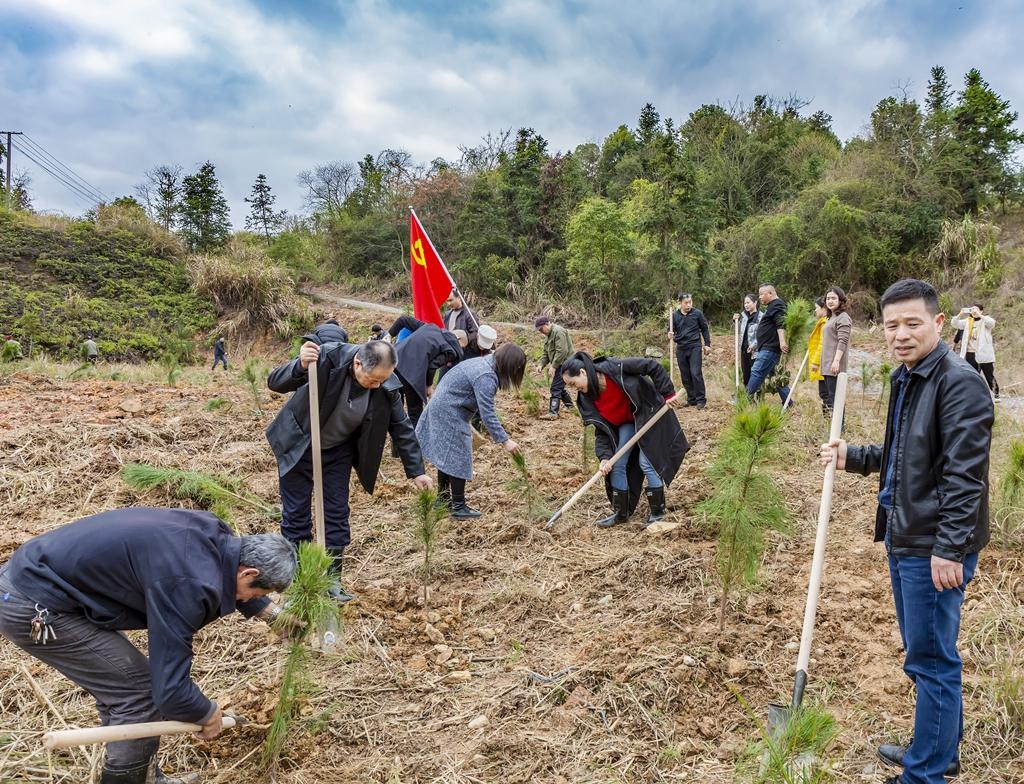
(218, 494)
(798, 755)
(253, 374)
(745, 502)
(523, 486)
(307, 602)
(429, 516)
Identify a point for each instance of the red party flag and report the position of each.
(431, 282)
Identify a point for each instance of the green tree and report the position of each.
(263, 218)
(203, 216)
(983, 128)
(600, 247)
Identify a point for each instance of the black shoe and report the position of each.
(620, 510)
(133, 776)
(656, 502)
(701, 406)
(463, 511)
(892, 754)
(892, 780)
(163, 778)
(339, 594)
(688, 403)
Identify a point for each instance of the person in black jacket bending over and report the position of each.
(360, 405)
(427, 350)
(932, 515)
(689, 328)
(618, 397)
(67, 595)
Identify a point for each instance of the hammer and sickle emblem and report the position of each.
(417, 253)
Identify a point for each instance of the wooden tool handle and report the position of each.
(824, 514)
(318, 471)
(796, 380)
(623, 450)
(63, 739)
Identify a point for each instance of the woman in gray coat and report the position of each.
(444, 431)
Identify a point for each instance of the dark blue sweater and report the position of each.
(169, 571)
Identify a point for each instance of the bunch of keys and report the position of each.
(42, 628)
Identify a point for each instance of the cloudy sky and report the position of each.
(114, 87)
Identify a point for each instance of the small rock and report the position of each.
(418, 663)
(131, 404)
(479, 722)
(869, 770)
(458, 676)
(485, 633)
(576, 607)
(605, 600)
(689, 661)
(707, 728)
(433, 634)
(383, 584)
(792, 645)
(661, 527)
(442, 653)
(735, 667)
(433, 617)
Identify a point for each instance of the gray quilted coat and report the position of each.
(443, 430)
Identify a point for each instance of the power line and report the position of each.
(70, 185)
(64, 168)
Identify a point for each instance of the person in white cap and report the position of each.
(484, 343)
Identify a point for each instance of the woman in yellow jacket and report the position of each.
(814, 342)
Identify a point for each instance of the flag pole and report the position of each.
(455, 286)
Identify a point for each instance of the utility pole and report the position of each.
(8, 149)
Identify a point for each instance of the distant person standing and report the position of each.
(748, 334)
(981, 352)
(459, 316)
(689, 329)
(557, 348)
(771, 339)
(835, 346)
(219, 354)
(634, 312)
(814, 342)
(92, 353)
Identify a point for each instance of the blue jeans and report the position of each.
(764, 364)
(929, 624)
(618, 474)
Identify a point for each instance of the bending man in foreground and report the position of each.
(66, 596)
(932, 515)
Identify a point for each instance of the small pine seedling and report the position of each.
(308, 602)
(169, 362)
(866, 376)
(217, 404)
(429, 515)
(524, 487)
(253, 376)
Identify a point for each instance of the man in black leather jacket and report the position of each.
(932, 515)
(360, 406)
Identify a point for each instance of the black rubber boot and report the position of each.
(552, 409)
(460, 509)
(163, 778)
(132, 776)
(893, 753)
(336, 592)
(656, 502)
(620, 509)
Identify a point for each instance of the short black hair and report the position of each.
(333, 321)
(684, 295)
(376, 353)
(908, 289)
(820, 302)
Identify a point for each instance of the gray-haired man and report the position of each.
(67, 595)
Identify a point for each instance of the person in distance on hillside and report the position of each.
(444, 432)
(92, 353)
(618, 397)
(360, 405)
(771, 339)
(932, 515)
(835, 346)
(67, 596)
(981, 352)
(557, 348)
(748, 335)
(689, 328)
(219, 354)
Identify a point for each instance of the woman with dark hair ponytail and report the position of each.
(619, 396)
(835, 347)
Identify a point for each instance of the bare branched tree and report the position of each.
(328, 185)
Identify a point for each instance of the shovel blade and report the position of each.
(778, 718)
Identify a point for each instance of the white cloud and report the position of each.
(127, 84)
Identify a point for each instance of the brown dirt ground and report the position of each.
(592, 656)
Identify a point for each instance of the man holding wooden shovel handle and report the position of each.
(932, 515)
(67, 596)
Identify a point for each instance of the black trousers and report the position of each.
(987, 369)
(558, 387)
(413, 403)
(691, 361)
(827, 392)
(746, 362)
(297, 497)
(452, 487)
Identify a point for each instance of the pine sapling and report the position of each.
(430, 515)
(310, 610)
(866, 376)
(169, 362)
(524, 487)
(745, 502)
(253, 375)
(884, 371)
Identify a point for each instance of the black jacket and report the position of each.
(464, 320)
(169, 571)
(647, 384)
(327, 333)
(423, 353)
(289, 435)
(772, 320)
(940, 497)
(688, 329)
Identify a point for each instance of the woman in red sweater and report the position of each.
(618, 396)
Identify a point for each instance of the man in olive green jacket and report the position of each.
(557, 349)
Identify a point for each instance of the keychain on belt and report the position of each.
(42, 627)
